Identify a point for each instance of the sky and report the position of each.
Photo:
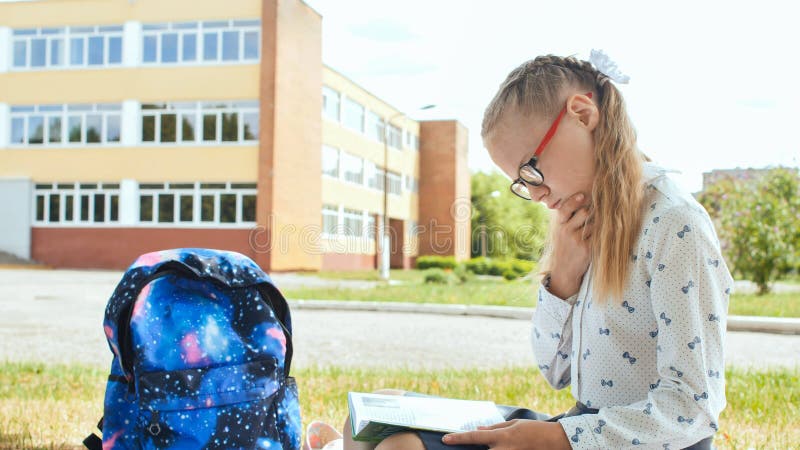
(713, 84)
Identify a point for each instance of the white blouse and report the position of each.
(652, 362)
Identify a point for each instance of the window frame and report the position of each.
(329, 92)
(65, 112)
(66, 35)
(200, 29)
(343, 159)
(198, 110)
(76, 190)
(348, 103)
(338, 153)
(197, 191)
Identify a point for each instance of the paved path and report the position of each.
(56, 316)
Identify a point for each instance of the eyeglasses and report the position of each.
(528, 173)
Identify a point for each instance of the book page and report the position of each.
(427, 413)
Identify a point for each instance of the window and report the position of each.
(72, 203)
(186, 207)
(380, 179)
(412, 230)
(353, 222)
(208, 207)
(395, 136)
(55, 48)
(44, 125)
(249, 125)
(145, 208)
(228, 41)
(369, 172)
(353, 115)
(192, 122)
(375, 126)
(330, 220)
(372, 226)
(412, 185)
(330, 103)
(227, 208)
(218, 203)
(412, 141)
(248, 208)
(395, 183)
(166, 207)
(352, 168)
(330, 161)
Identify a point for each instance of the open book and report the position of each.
(374, 417)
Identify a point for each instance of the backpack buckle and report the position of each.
(154, 428)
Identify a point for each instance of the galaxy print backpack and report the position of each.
(202, 350)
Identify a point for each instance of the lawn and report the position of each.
(498, 292)
(54, 407)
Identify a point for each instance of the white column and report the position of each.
(131, 118)
(5, 125)
(128, 202)
(197, 209)
(132, 44)
(6, 49)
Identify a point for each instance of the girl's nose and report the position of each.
(538, 192)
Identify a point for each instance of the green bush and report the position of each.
(499, 267)
(435, 261)
(437, 276)
(510, 275)
(522, 267)
(478, 266)
(462, 273)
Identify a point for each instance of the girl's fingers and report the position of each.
(505, 424)
(569, 208)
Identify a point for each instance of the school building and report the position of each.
(128, 126)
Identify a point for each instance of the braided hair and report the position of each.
(539, 88)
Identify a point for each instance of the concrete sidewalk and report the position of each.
(56, 316)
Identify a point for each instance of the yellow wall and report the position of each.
(147, 84)
(54, 13)
(180, 83)
(144, 164)
(404, 161)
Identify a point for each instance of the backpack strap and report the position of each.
(93, 441)
(280, 307)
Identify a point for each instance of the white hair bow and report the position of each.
(607, 67)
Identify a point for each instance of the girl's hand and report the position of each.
(571, 247)
(515, 434)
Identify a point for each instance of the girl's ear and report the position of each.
(583, 108)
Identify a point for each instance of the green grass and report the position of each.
(54, 407)
(367, 275)
(499, 292)
(477, 292)
(774, 305)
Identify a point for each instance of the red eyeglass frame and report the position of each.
(552, 131)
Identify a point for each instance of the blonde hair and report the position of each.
(540, 88)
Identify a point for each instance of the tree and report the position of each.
(758, 220)
(504, 224)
